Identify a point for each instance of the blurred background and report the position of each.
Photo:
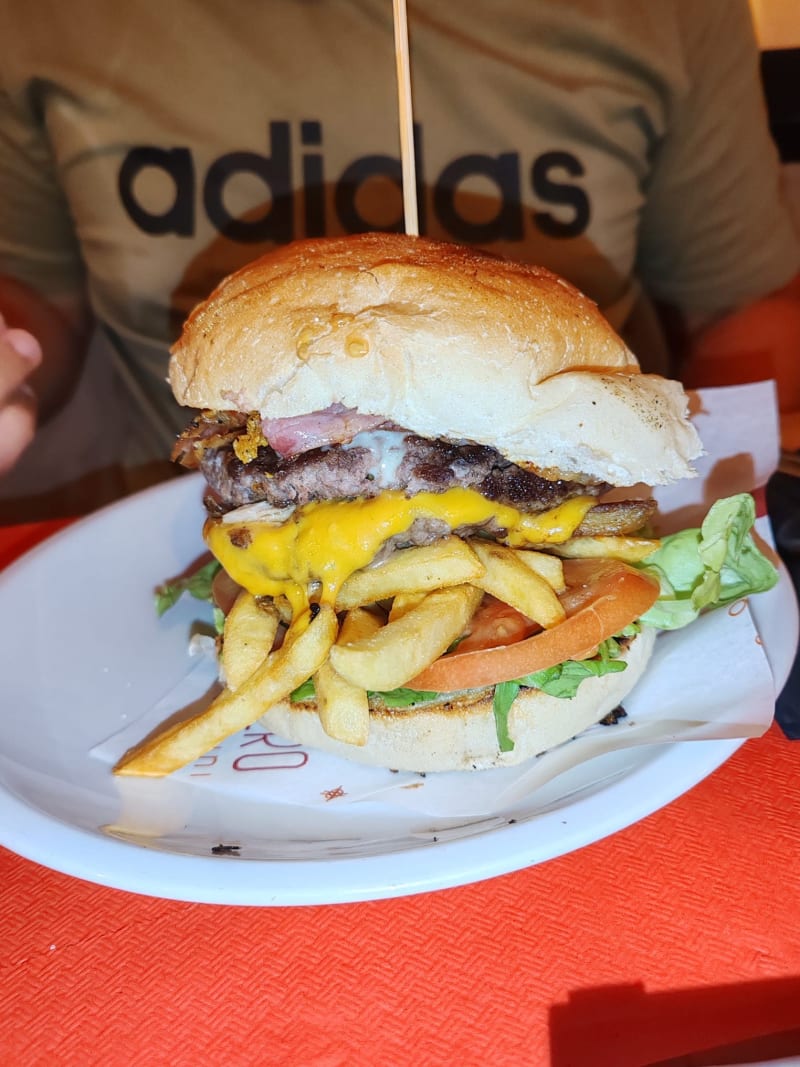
(778, 27)
(777, 23)
(77, 441)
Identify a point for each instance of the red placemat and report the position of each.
(14, 540)
(678, 934)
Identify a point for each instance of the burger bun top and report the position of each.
(443, 340)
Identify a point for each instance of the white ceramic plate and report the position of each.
(83, 652)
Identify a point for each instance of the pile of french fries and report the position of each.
(387, 624)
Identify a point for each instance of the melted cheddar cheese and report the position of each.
(323, 543)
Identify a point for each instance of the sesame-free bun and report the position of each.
(459, 733)
(443, 340)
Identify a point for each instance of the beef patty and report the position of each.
(383, 460)
(374, 463)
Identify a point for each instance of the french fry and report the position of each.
(304, 649)
(515, 583)
(357, 624)
(404, 602)
(626, 549)
(403, 648)
(447, 562)
(545, 565)
(343, 707)
(250, 629)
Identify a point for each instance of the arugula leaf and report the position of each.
(708, 567)
(394, 698)
(405, 698)
(197, 584)
(564, 679)
(560, 681)
(505, 693)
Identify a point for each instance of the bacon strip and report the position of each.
(333, 426)
(209, 429)
(288, 437)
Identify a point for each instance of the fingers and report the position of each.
(25, 345)
(20, 355)
(17, 426)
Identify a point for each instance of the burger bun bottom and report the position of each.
(459, 733)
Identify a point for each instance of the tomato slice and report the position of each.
(601, 598)
(496, 623)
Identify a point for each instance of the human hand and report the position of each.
(20, 355)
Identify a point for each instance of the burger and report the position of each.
(375, 411)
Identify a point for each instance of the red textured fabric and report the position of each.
(675, 941)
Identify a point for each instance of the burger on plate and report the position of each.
(410, 449)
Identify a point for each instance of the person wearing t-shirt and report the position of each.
(146, 151)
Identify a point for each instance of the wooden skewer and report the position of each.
(408, 163)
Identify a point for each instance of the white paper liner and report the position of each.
(710, 680)
(740, 431)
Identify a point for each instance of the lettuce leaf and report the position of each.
(708, 567)
(198, 584)
(305, 691)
